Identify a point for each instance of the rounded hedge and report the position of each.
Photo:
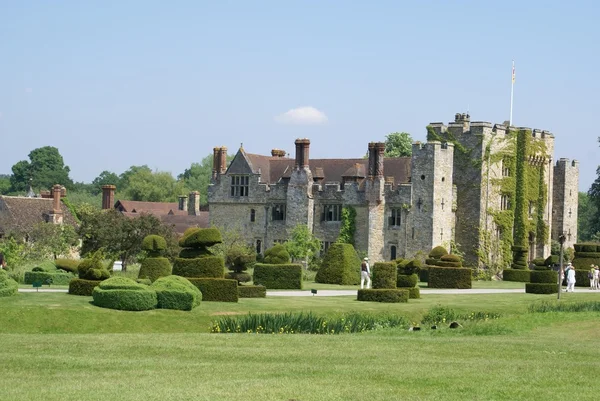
(414, 293)
(123, 293)
(210, 266)
(153, 268)
(8, 286)
(541, 288)
(154, 244)
(384, 275)
(201, 237)
(92, 269)
(407, 281)
(449, 277)
(438, 252)
(340, 265)
(451, 258)
(174, 292)
(518, 275)
(543, 276)
(277, 255)
(83, 287)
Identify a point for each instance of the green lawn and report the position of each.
(60, 347)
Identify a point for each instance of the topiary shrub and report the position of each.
(443, 263)
(390, 295)
(209, 266)
(588, 247)
(518, 275)
(216, 290)
(401, 263)
(277, 255)
(581, 278)
(384, 275)
(68, 265)
(543, 276)
(541, 288)
(585, 255)
(154, 245)
(252, 291)
(154, 268)
(414, 293)
(238, 259)
(449, 277)
(123, 293)
(413, 266)
(8, 286)
(539, 262)
(174, 292)
(407, 281)
(58, 278)
(451, 258)
(92, 269)
(200, 238)
(438, 252)
(192, 253)
(340, 265)
(424, 274)
(551, 260)
(288, 276)
(79, 286)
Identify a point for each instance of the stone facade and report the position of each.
(448, 191)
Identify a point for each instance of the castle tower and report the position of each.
(374, 193)
(565, 201)
(432, 196)
(300, 202)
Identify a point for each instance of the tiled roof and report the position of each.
(21, 214)
(180, 222)
(146, 207)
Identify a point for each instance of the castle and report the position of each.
(477, 186)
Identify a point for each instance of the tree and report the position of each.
(197, 177)
(45, 168)
(4, 184)
(142, 184)
(594, 198)
(398, 144)
(587, 212)
(52, 239)
(121, 237)
(302, 244)
(106, 178)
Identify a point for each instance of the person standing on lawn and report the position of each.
(365, 273)
(570, 278)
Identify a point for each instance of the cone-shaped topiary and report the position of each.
(341, 265)
(175, 292)
(155, 245)
(8, 286)
(277, 255)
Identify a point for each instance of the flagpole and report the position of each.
(512, 86)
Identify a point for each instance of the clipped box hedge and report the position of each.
(79, 286)
(407, 281)
(414, 292)
(252, 291)
(581, 278)
(384, 275)
(449, 277)
(447, 263)
(424, 274)
(280, 277)
(207, 267)
(390, 295)
(8, 286)
(541, 288)
(153, 268)
(543, 276)
(216, 289)
(58, 278)
(518, 275)
(69, 265)
(341, 265)
(200, 237)
(174, 292)
(123, 293)
(585, 255)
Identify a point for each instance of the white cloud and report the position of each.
(307, 115)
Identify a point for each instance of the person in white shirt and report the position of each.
(596, 277)
(570, 278)
(365, 273)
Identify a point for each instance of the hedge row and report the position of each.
(79, 286)
(518, 275)
(405, 281)
(541, 288)
(424, 274)
(124, 294)
(587, 255)
(449, 277)
(283, 276)
(216, 289)
(341, 265)
(581, 278)
(153, 268)
(69, 265)
(587, 247)
(413, 292)
(443, 263)
(8, 286)
(543, 276)
(58, 278)
(384, 275)
(174, 292)
(383, 295)
(252, 291)
(210, 266)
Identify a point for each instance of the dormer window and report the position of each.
(239, 185)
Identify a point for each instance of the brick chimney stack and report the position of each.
(376, 151)
(108, 196)
(193, 205)
(56, 192)
(302, 147)
(183, 202)
(222, 160)
(215, 170)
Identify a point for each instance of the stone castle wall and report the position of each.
(566, 199)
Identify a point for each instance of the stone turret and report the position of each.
(565, 200)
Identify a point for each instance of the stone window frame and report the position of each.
(325, 246)
(278, 212)
(395, 217)
(505, 202)
(505, 169)
(332, 212)
(239, 185)
(252, 215)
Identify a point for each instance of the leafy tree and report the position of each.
(593, 216)
(197, 177)
(398, 144)
(587, 214)
(4, 184)
(121, 237)
(45, 168)
(52, 239)
(149, 186)
(302, 244)
(106, 178)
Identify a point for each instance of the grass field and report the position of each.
(60, 347)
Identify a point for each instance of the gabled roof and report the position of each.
(128, 206)
(179, 221)
(20, 214)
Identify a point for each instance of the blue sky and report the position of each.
(118, 83)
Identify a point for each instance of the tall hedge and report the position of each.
(216, 290)
(384, 275)
(517, 275)
(174, 292)
(155, 267)
(341, 265)
(56, 278)
(277, 255)
(449, 277)
(288, 276)
(210, 266)
(124, 294)
(586, 254)
(8, 286)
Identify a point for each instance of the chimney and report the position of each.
(222, 160)
(183, 202)
(216, 164)
(376, 151)
(108, 196)
(302, 146)
(56, 191)
(193, 205)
